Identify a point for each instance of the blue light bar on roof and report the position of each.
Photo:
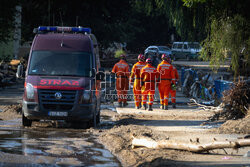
(64, 29)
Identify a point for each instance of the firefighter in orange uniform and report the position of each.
(121, 69)
(149, 77)
(173, 90)
(166, 79)
(135, 77)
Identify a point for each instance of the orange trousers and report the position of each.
(148, 90)
(137, 92)
(164, 90)
(122, 89)
(145, 96)
(173, 96)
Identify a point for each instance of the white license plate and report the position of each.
(58, 114)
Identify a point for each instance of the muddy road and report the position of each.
(51, 147)
(58, 144)
(46, 143)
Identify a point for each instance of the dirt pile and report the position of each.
(236, 126)
(10, 111)
(118, 141)
(236, 110)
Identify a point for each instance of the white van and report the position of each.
(185, 50)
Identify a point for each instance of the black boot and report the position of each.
(140, 105)
(145, 106)
(166, 107)
(120, 104)
(150, 108)
(174, 105)
(162, 106)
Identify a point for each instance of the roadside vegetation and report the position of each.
(221, 26)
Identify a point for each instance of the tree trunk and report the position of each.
(192, 147)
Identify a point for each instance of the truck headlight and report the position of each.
(86, 97)
(30, 91)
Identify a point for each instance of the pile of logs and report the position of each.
(8, 73)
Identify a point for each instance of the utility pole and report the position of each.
(17, 32)
(76, 21)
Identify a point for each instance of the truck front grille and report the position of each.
(48, 100)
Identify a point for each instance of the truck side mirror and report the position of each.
(19, 72)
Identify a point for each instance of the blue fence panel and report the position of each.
(221, 86)
(191, 72)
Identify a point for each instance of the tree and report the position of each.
(228, 26)
(7, 11)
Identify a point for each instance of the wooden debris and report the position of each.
(207, 108)
(8, 73)
(192, 147)
(236, 102)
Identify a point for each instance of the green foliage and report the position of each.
(6, 51)
(228, 31)
(190, 3)
(7, 10)
(226, 40)
(119, 52)
(224, 24)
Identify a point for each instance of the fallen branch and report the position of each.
(192, 147)
(205, 107)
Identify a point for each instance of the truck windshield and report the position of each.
(60, 63)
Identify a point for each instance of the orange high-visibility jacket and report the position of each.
(166, 71)
(121, 69)
(149, 76)
(136, 70)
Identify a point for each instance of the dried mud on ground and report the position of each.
(236, 126)
(118, 140)
(117, 131)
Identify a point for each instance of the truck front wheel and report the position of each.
(26, 122)
(92, 122)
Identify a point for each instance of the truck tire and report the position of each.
(79, 124)
(92, 122)
(26, 122)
